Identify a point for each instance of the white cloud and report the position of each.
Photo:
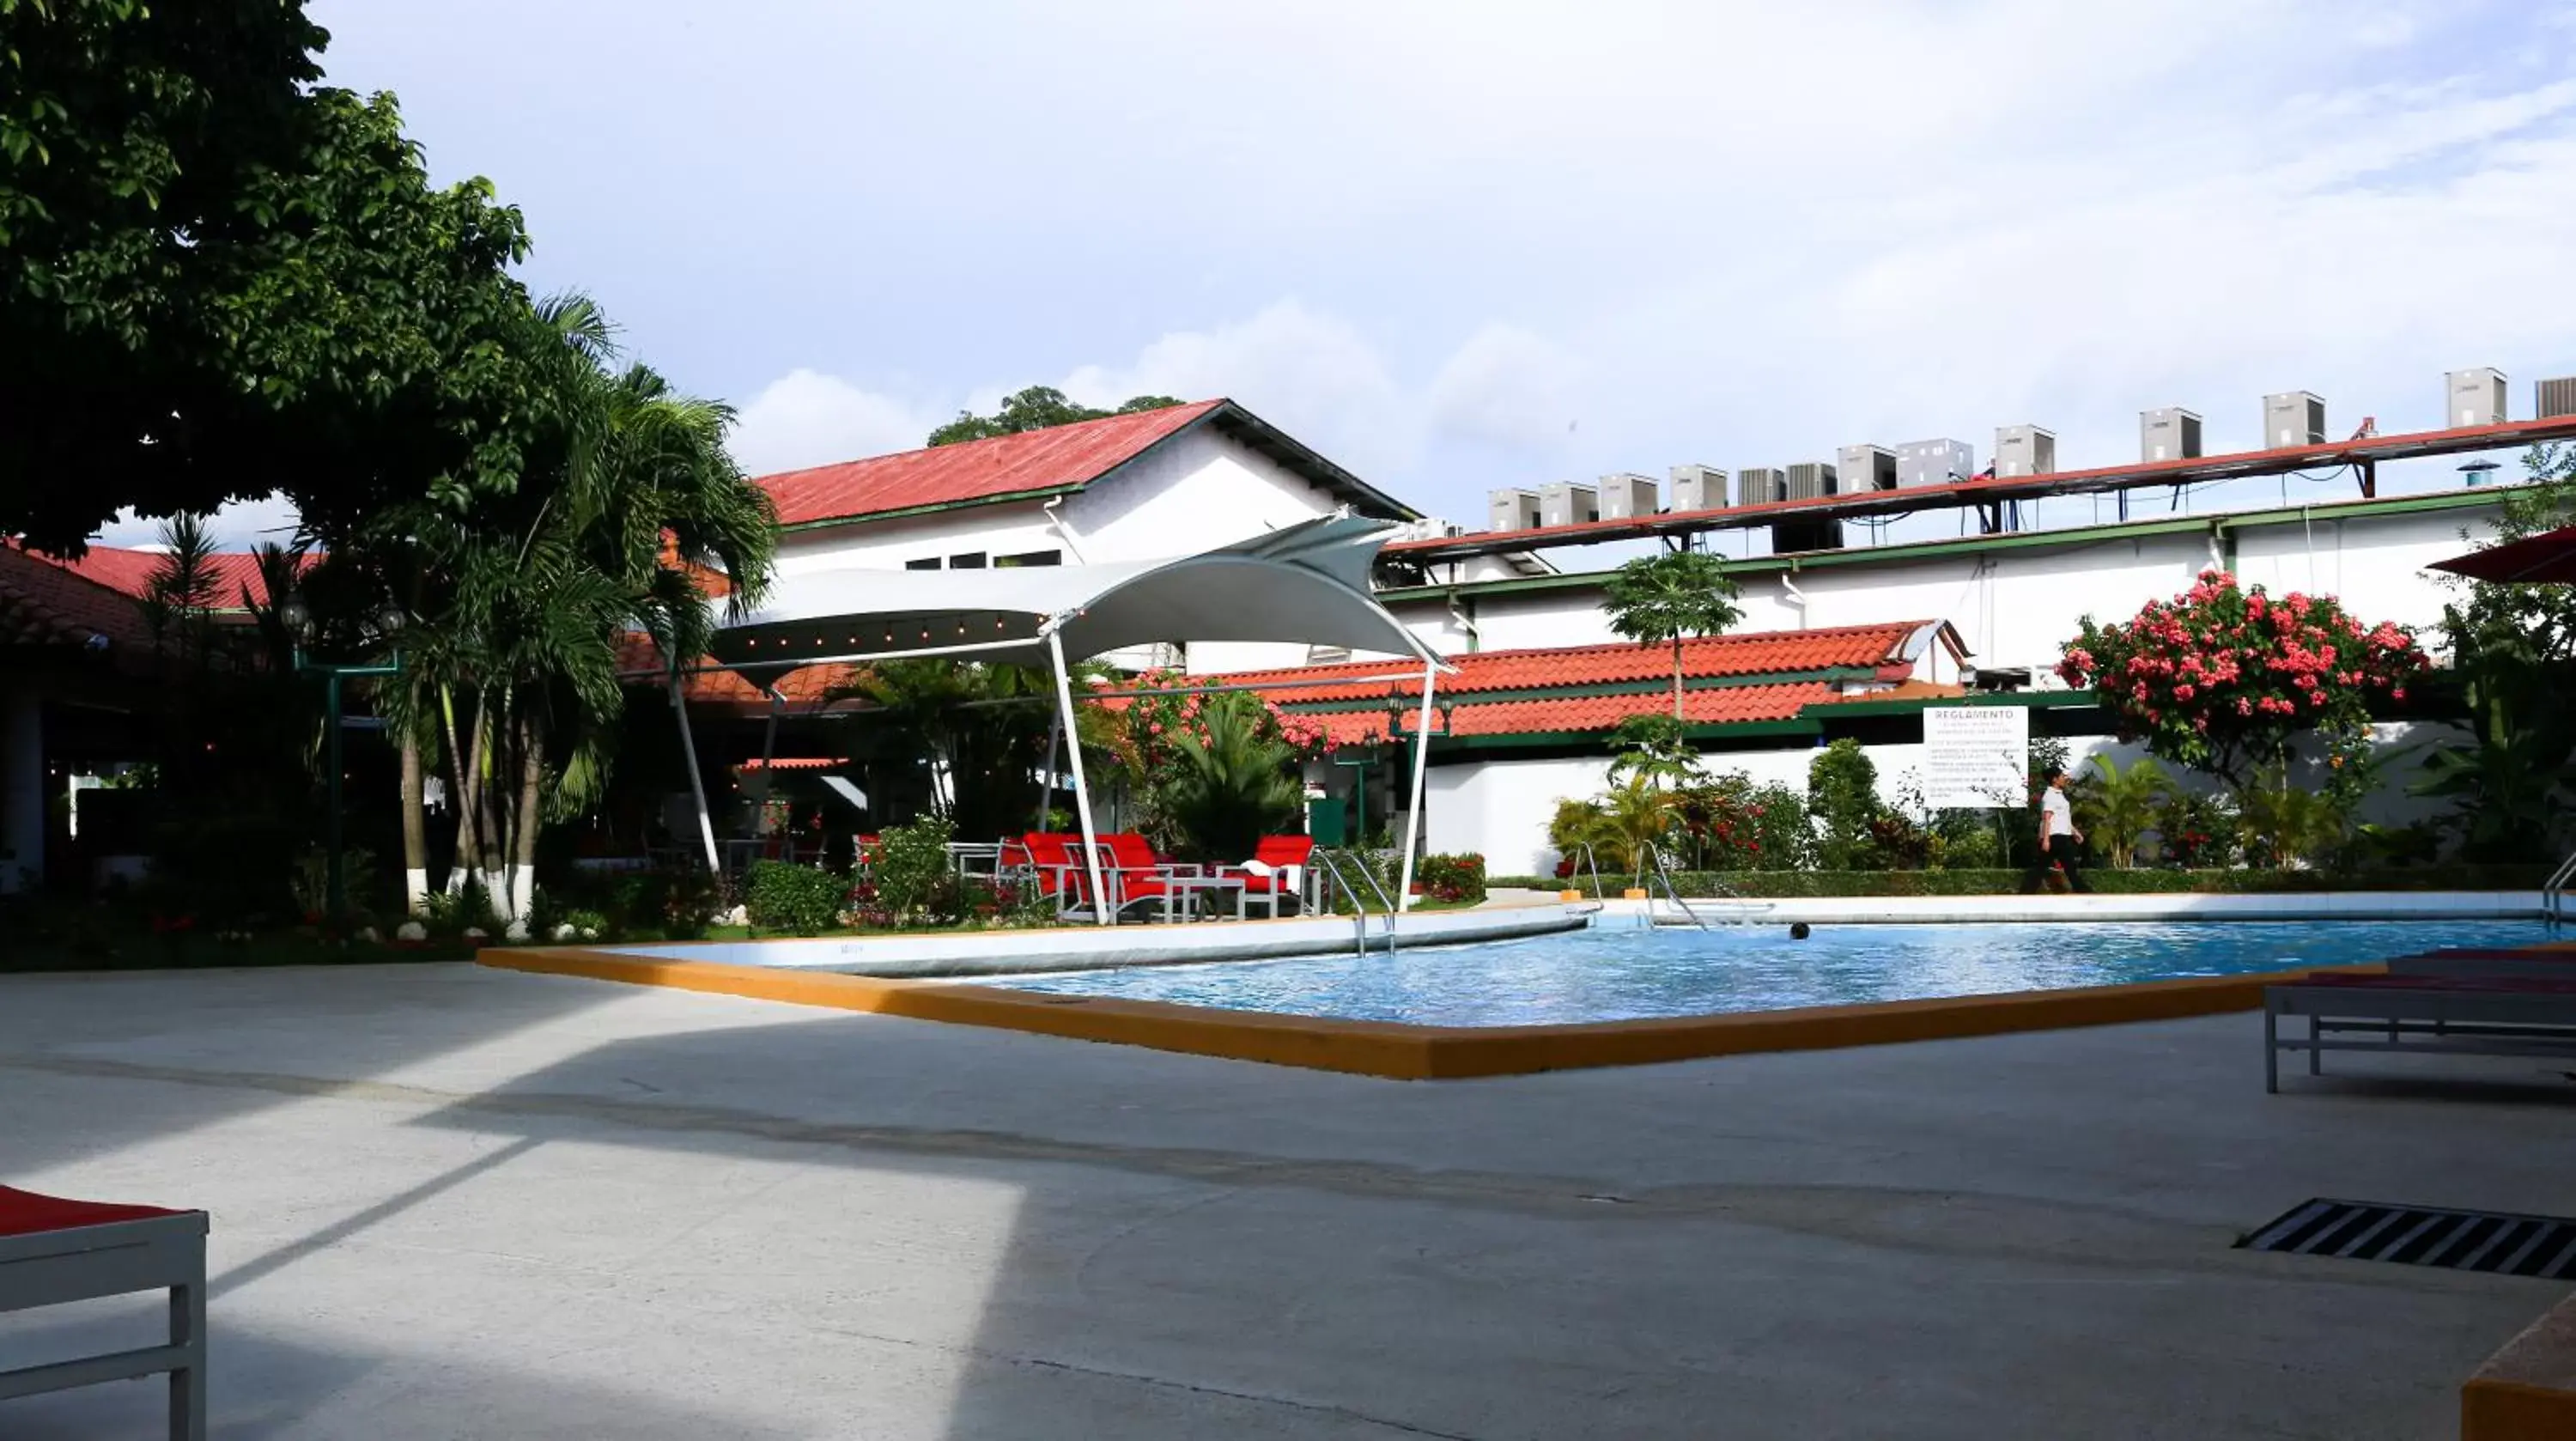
(1314, 375)
(808, 418)
(1506, 386)
(238, 526)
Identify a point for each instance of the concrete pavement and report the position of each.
(459, 1203)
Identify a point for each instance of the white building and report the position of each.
(1542, 678)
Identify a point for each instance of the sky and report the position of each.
(1463, 245)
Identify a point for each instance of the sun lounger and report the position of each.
(54, 1251)
(2488, 1015)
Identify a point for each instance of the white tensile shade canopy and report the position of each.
(1308, 583)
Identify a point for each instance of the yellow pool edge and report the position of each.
(1399, 1051)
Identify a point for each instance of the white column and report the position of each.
(1101, 908)
(697, 787)
(22, 788)
(1413, 811)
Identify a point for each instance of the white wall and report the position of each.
(2016, 607)
(1196, 490)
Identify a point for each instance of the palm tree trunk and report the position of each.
(1677, 677)
(415, 834)
(460, 851)
(523, 869)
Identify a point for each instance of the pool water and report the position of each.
(1615, 973)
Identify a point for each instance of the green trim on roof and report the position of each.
(2085, 535)
(1912, 705)
(1536, 740)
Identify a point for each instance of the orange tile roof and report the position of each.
(1750, 653)
(1724, 705)
(1059, 458)
(640, 661)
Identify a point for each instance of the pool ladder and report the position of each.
(1326, 865)
(1664, 874)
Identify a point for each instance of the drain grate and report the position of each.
(2495, 1241)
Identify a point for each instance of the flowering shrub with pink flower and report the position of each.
(2221, 678)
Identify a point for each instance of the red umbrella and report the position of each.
(2550, 556)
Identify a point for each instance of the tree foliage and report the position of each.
(2513, 648)
(1040, 407)
(2223, 678)
(2116, 806)
(220, 280)
(1667, 598)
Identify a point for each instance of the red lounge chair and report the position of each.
(1061, 871)
(1285, 858)
(53, 1251)
(2487, 1015)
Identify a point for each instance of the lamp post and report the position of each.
(298, 618)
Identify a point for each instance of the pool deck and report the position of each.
(453, 1201)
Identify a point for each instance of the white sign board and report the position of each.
(1976, 757)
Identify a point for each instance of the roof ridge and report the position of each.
(967, 446)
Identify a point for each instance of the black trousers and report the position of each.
(2062, 851)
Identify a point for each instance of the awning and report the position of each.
(2533, 560)
(1308, 582)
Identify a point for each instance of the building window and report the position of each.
(932, 563)
(967, 562)
(1029, 557)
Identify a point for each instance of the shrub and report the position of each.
(1452, 877)
(1842, 794)
(800, 900)
(911, 872)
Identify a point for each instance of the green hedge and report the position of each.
(1785, 885)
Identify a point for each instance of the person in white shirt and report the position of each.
(2060, 843)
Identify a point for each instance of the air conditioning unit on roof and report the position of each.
(1698, 487)
(1627, 497)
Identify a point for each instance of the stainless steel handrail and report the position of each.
(1359, 905)
(1664, 874)
(1593, 863)
(2553, 894)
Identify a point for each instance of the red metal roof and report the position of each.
(129, 572)
(43, 602)
(1033, 462)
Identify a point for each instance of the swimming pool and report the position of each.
(1617, 973)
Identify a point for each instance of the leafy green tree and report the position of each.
(1040, 407)
(2513, 649)
(2117, 806)
(1665, 599)
(1654, 746)
(219, 279)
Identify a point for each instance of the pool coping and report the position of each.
(1077, 947)
(1396, 1050)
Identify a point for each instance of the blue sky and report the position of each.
(1471, 244)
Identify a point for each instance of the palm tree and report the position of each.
(518, 602)
(1662, 599)
(2118, 806)
(1637, 815)
(1228, 790)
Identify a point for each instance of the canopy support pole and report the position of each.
(697, 787)
(1046, 774)
(1101, 909)
(1413, 812)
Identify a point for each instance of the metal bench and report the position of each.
(2481, 1014)
(54, 1251)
